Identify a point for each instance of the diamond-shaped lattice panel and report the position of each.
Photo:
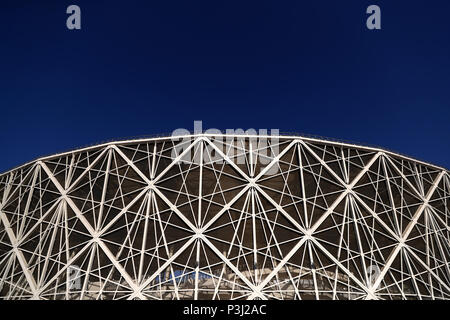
(225, 217)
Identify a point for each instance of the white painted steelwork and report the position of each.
(127, 220)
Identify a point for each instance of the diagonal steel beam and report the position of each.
(405, 234)
(90, 229)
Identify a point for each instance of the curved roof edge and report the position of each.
(309, 138)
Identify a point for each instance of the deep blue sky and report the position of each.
(144, 67)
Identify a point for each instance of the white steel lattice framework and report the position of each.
(127, 220)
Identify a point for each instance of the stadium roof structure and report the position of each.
(210, 216)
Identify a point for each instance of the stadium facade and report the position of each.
(225, 218)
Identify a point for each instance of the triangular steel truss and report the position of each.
(127, 220)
